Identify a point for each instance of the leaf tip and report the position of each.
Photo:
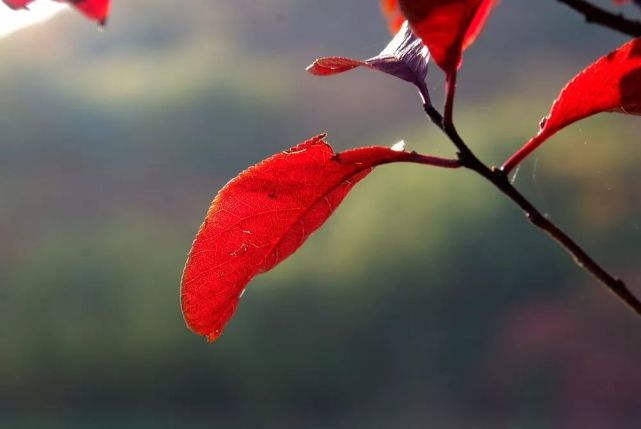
(314, 69)
(328, 66)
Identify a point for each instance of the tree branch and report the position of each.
(500, 180)
(596, 15)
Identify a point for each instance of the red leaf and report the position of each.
(263, 216)
(17, 4)
(328, 66)
(620, 2)
(611, 84)
(447, 27)
(393, 14)
(97, 10)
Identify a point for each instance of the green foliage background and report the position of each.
(426, 301)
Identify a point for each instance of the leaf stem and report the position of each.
(525, 151)
(500, 180)
(435, 161)
(450, 93)
(596, 15)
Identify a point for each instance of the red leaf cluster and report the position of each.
(97, 10)
(266, 213)
(263, 216)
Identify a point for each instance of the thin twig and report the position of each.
(434, 161)
(596, 15)
(500, 180)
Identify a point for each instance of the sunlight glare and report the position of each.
(14, 20)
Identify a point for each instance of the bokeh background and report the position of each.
(426, 301)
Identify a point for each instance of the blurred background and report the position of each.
(426, 301)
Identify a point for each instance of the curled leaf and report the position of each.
(263, 216)
(405, 57)
(447, 27)
(611, 84)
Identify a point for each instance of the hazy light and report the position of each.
(40, 11)
(399, 146)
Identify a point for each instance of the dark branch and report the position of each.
(596, 15)
(499, 179)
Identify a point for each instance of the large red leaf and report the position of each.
(263, 216)
(611, 84)
(97, 10)
(447, 27)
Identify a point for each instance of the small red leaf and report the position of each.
(17, 4)
(447, 27)
(328, 66)
(97, 10)
(611, 84)
(263, 216)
